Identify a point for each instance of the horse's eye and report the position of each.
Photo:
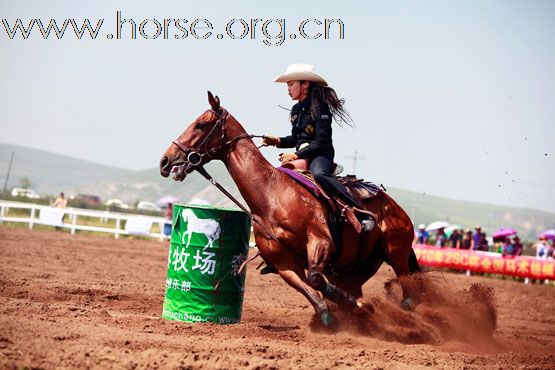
(200, 125)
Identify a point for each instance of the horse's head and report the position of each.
(201, 142)
(186, 214)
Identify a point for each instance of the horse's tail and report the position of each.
(413, 262)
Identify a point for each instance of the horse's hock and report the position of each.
(205, 282)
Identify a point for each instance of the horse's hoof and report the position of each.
(408, 304)
(327, 318)
(365, 307)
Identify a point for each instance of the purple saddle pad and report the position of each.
(300, 179)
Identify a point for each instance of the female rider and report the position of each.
(311, 132)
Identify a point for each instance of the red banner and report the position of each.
(488, 262)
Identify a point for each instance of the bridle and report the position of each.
(194, 159)
(195, 156)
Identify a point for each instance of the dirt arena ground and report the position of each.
(95, 302)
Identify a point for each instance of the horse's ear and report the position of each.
(214, 102)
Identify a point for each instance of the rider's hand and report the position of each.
(287, 157)
(270, 141)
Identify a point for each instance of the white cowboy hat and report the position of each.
(300, 72)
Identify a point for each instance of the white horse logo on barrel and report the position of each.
(210, 228)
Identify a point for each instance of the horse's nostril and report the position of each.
(164, 162)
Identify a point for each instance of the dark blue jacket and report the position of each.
(315, 130)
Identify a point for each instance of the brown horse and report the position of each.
(290, 227)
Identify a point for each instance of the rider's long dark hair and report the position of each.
(327, 95)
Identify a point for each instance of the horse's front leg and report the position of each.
(319, 252)
(291, 270)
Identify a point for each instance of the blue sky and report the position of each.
(450, 98)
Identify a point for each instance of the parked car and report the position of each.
(148, 206)
(117, 203)
(23, 192)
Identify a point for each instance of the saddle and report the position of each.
(357, 188)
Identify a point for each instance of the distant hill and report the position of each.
(49, 173)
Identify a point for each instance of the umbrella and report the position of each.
(436, 225)
(164, 201)
(504, 232)
(549, 234)
(449, 230)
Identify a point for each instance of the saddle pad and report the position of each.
(301, 179)
(358, 187)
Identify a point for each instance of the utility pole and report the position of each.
(413, 212)
(355, 158)
(8, 174)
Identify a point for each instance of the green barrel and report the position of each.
(208, 246)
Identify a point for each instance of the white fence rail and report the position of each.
(141, 222)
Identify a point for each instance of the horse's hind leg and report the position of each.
(348, 283)
(210, 241)
(400, 256)
(353, 278)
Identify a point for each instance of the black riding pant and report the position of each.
(322, 170)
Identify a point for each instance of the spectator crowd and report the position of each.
(509, 246)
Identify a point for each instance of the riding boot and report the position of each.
(361, 222)
(323, 174)
(366, 221)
